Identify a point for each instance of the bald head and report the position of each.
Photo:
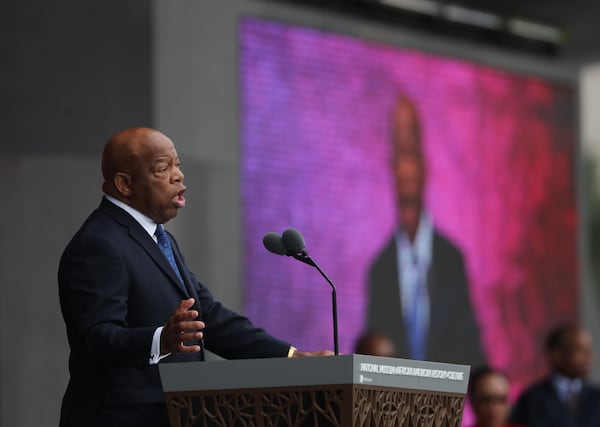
(123, 150)
(375, 344)
(406, 127)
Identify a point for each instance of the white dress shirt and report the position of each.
(414, 260)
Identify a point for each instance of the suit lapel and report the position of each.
(142, 238)
(586, 413)
(150, 246)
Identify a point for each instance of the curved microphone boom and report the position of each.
(291, 243)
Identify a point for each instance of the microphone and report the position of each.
(273, 242)
(291, 243)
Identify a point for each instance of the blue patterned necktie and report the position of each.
(417, 329)
(165, 247)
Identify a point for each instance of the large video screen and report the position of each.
(372, 151)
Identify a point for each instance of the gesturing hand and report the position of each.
(180, 328)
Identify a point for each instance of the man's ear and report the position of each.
(122, 182)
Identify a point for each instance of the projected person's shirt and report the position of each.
(414, 259)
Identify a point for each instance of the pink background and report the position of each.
(315, 146)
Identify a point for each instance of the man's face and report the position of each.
(157, 180)
(574, 357)
(410, 178)
(409, 175)
(490, 401)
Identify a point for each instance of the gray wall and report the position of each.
(79, 71)
(72, 73)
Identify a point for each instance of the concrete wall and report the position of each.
(74, 72)
(79, 71)
(589, 124)
(590, 113)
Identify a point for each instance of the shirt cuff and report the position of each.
(291, 351)
(155, 355)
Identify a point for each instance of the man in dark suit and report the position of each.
(418, 289)
(128, 299)
(565, 398)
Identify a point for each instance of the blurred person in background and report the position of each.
(565, 398)
(375, 344)
(488, 395)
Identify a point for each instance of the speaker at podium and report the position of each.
(346, 390)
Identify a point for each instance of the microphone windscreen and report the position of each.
(274, 243)
(293, 241)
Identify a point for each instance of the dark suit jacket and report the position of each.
(116, 287)
(453, 333)
(540, 406)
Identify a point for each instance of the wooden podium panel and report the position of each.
(349, 390)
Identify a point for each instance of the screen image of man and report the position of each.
(129, 300)
(418, 292)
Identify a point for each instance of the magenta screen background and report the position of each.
(315, 146)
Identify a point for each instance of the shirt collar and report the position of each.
(422, 246)
(564, 385)
(147, 223)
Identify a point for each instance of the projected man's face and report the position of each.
(410, 179)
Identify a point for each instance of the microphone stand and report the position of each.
(305, 258)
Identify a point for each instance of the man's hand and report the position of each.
(181, 327)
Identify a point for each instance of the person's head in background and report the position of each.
(569, 351)
(408, 165)
(375, 344)
(488, 394)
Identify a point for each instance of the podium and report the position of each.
(348, 390)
